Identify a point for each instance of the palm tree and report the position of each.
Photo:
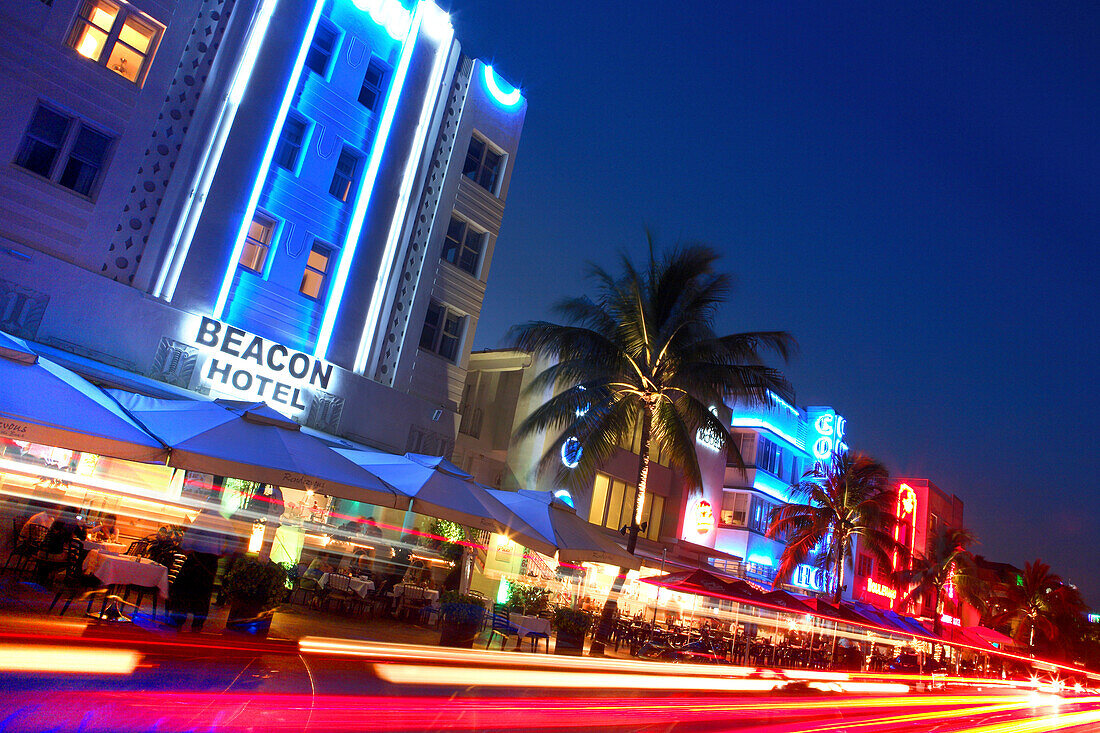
(846, 498)
(643, 351)
(948, 561)
(1036, 602)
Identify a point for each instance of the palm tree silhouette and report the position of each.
(833, 504)
(1035, 603)
(948, 561)
(643, 351)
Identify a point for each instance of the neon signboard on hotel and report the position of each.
(703, 513)
(879, 589)
(830, 429)
(251, 367)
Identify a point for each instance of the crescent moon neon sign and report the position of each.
(493, 84)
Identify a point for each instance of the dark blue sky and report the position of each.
(910, 189)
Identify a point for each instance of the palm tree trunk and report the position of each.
(643, 474)
(839, 571)
(607, 617)
(937, 624)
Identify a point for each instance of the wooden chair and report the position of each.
(501, 627)
(339, 591)
(138, 548)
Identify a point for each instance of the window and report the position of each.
(290, 142)
(52, 136)
(313, 279)
(864, 566)
(760, 514)
(257, 243)
(344, 175)
(483, 164)
(613, 502)
(462, 246)
(744, 444)
(114, 36)
(442, 331)
(769, 456)
(320, 51)
(735, 508)
(370, 94)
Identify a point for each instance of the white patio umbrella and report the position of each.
(576, 539)
(43, 402)
(435, 487)
(251, 441)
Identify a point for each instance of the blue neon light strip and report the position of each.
(173, 264)
(435, 23)
(755, 422)
(269, 153)
(503, 98)
(366, 188)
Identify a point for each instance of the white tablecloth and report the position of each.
(126, 570)
(428, 593)
(529, 624)
(110, 548)
(362, 587)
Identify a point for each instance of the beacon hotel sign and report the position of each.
(222, 360)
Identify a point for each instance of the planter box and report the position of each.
(459, 635)
(571, 644)
(249, 618)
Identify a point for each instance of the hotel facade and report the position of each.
(290, 202)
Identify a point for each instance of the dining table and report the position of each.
(525, 625)
(362, 587)
(108, 548)
(127, 570)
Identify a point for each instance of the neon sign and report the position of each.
(830, 429)
(808, 577)
(879, 589)
(709, 437)
(948, 619)
(571, 452)
(494, 84)
(907, 507)
(703, 512)
(254, 368)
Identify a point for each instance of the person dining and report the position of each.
(55, 546)
(106, 530)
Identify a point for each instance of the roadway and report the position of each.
(66, 676)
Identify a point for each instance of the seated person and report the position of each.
(106, 530)
(311, 578)
(44, 518)
(55, 548)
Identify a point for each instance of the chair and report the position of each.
(178, 559)
(536, 636)
(339, 591)
(138, 548)
(502, 627)
(26, 549)
(412, 601)
(74, 580)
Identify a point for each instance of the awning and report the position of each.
(43, 402)
(557, 523)
(251, 441)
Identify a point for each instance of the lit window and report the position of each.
(320, 51)
(442, 331)
(370, 94)
(313, 279)
(257, 243)
(735, 509)
(344, 175)
(462, 245)
(53, 136)
(290, 142)
(613, 503)
(114, 36)
(483, 164)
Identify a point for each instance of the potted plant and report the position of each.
(527, 599)
(572, 625)
(254, 588)
(460, 618)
